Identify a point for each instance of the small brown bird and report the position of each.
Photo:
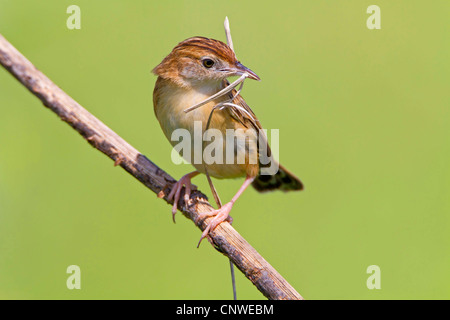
(195, 70)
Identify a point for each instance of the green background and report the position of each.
(364, 122)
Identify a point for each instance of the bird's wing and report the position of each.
(248, 119)
(282, 179)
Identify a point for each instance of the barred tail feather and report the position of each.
(283, 180)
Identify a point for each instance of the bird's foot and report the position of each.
(175, 193)
(220, 215)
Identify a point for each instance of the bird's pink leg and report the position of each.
(223, 213)
(176, 191)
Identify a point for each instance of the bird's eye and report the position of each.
(208, 63)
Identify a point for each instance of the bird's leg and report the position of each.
(223, 213)
(175, 193)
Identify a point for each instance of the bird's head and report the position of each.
(198, 60)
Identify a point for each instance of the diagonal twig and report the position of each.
(224, 238)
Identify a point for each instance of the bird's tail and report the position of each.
(282, 180)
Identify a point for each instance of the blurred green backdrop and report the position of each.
(364, 122)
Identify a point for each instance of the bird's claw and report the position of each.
(220, 215)
(175, 193)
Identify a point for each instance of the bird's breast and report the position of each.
(170, 102)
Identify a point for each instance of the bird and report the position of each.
(196, 69)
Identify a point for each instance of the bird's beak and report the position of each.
(241, 69)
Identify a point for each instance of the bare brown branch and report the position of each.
(224, 238)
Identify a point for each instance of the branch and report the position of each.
(224, 238)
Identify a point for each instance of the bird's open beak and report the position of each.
(241, 69)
